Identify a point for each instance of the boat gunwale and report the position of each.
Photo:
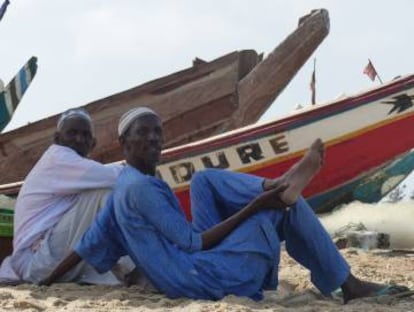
(294, 120)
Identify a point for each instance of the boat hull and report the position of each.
(369, 187)
(362, 134)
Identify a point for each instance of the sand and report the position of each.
(295, 293)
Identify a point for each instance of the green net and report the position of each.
(6, 222)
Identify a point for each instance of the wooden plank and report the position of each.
(172, 97)
(268, 79)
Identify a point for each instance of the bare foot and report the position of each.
(300, 174)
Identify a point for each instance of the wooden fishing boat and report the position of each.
(364, 135)
(367, 137)
(208, 98)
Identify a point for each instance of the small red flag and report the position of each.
(370, 71)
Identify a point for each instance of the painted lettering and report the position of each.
(250, 152)
(182, 172)
(279, 144)
(221, 161)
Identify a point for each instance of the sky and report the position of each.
(91, 49)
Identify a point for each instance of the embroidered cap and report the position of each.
(130, 116)
(73, 112)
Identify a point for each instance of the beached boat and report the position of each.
(367, 137)
(206, 99)
(364, 135)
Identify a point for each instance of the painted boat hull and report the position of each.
(370, 187)
(367, 139)
(362, 134)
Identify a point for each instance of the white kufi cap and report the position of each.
(130, 116)
(71, 113)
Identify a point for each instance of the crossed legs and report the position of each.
(217, 194)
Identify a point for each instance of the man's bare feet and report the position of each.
(300, 174)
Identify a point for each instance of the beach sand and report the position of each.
(295, 293)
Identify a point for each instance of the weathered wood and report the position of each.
(173, 97)
(268, 79)
(11, 189)
(195, 103)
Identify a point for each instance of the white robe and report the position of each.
(50, 190)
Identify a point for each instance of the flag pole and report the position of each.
(313, 82)
(379, 78)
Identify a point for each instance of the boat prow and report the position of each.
(206, 99)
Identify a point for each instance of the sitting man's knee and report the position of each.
(198, 179)
(201, 178)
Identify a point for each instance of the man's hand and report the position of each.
(63, 267)
(270, 199)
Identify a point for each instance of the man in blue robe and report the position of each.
(233, 244)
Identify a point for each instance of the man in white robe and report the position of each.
(57, 203)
